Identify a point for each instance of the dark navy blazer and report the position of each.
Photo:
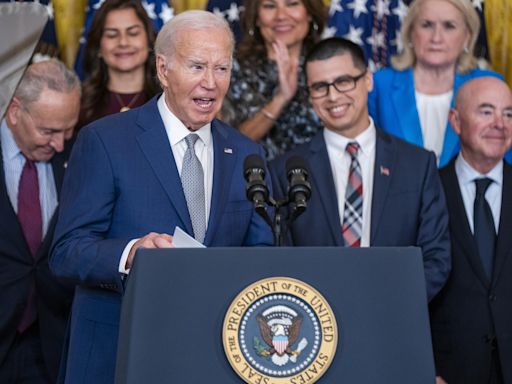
(19, 270)
(122, 183)
(408, 203)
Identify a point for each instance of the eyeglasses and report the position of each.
(342, 84)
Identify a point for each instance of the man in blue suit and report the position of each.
(386, 192)
(129, 182)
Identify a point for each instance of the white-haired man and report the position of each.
(134, 177)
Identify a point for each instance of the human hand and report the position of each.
(287, 69)
(439, 380)
(151, 240)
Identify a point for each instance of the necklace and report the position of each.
(126, 107)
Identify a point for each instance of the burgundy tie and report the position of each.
(29, 216)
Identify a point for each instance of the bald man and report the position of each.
(471, 318)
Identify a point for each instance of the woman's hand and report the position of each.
(287, 69)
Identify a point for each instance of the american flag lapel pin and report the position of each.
(228, 150)
(384, 170)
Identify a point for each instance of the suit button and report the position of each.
(492, 297)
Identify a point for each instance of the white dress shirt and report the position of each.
(340, 165)
(14, 161)
(466, 176)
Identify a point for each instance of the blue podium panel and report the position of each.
(176, 300)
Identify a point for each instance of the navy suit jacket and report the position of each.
(408, 204)
(19, 270)
(392, 105)
(473, 313)
(122, 183)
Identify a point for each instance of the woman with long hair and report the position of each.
(119, 62)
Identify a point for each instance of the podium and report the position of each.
(176, 300)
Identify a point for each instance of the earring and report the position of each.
(251, 31)
(315, 26)
(466, 49)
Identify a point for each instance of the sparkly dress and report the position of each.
(253, 84)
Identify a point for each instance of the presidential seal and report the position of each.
(280, 330)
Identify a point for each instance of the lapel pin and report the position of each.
(228, 150)
(384, 171)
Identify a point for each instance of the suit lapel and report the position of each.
(382, 174)
(59, 164)
(460, 230)
(9, 225)
(504, 242)
(402, 93)
(225, 158)
(322, 180)
(154, 144)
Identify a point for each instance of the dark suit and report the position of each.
(408, 204)
(18, 271)
(471, 310)
(122, 184)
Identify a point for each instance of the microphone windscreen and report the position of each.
(296, 162)
(253, 161)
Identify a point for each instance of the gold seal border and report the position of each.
(279, 285)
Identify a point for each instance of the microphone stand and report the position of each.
(278, 225)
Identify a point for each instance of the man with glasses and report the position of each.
(35, 306)
(368, 187)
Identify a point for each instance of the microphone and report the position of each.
(299, 189)
(256, 188)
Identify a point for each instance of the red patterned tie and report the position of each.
(352, 227)
(29, 216)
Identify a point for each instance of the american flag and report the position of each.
(160, 11)
(372, 24)
(375, 26)
(230, 10)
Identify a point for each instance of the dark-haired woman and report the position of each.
(119, 62)
(267, 99)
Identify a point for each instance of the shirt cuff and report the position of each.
(124, 257)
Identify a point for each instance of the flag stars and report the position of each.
(377, 39)
(233, 13)
(150, 9)
(381, 9)
(329, 32)
(355, 35)
(98, 4)
(335, 7)
(401, 11)
(358, 7)
(166, 13)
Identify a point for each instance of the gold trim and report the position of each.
(279, 285)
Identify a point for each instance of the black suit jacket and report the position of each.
(17, 272)
(471, 312)
(408, 204)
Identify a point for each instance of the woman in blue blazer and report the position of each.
(412, 99)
